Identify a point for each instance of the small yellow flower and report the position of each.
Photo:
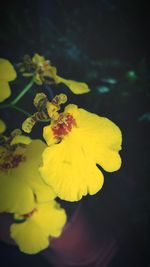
(20, 182)
(78, 141)
(47, 220)
(44, 72)
(2, 126)
(7, 74)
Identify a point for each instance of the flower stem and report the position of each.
(21, 110)
(13, 103)
(17, 108)
(23, 92)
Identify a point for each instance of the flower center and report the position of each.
(11, 161)
(63, 125)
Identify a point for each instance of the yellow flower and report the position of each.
(7, 74)
(43, 71)
(78, 141)
(47, 220)
(20, 182)
(2, 126)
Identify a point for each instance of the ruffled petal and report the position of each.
(50, 217)
(99, 136)
(109, 160)
(29, 237)
(70, 171)
(97, 129)
(70, 166)
(33, 235)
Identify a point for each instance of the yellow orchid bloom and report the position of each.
(7, 74)
(20, 181)
(42, 70)
(46, 220)
(2, 126)
(79, 140)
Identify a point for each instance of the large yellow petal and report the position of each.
(70, 171)
(75, 87)
(30, 174)
(99, 136)
(96, 127)
(42, 191)
(51, 218)
(14, 195)
(29, 237)
(29, 168)
(7, 71)
(5, 91)
(32, 235)
(22, 185)
(34, 151)
(70, 166)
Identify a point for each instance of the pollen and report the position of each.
(63, 125)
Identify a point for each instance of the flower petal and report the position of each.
(109, 160)
(21, 139)
(29, 237)
(14, 195)
(5, 91)
(31, 176)
(70, 166)
(7, 71)
(48, 135)
(2, 126)
(75, 87)
(70, 171)
(22, 185)
(33, 234)
(100, 137)
(51, 218)
(42, 191)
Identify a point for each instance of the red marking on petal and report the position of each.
(28, 215)
(63, 125)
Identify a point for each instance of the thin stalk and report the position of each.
(23, 92)
(21, 110)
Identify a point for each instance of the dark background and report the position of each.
(99, 42)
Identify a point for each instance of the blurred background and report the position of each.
(105, 44)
